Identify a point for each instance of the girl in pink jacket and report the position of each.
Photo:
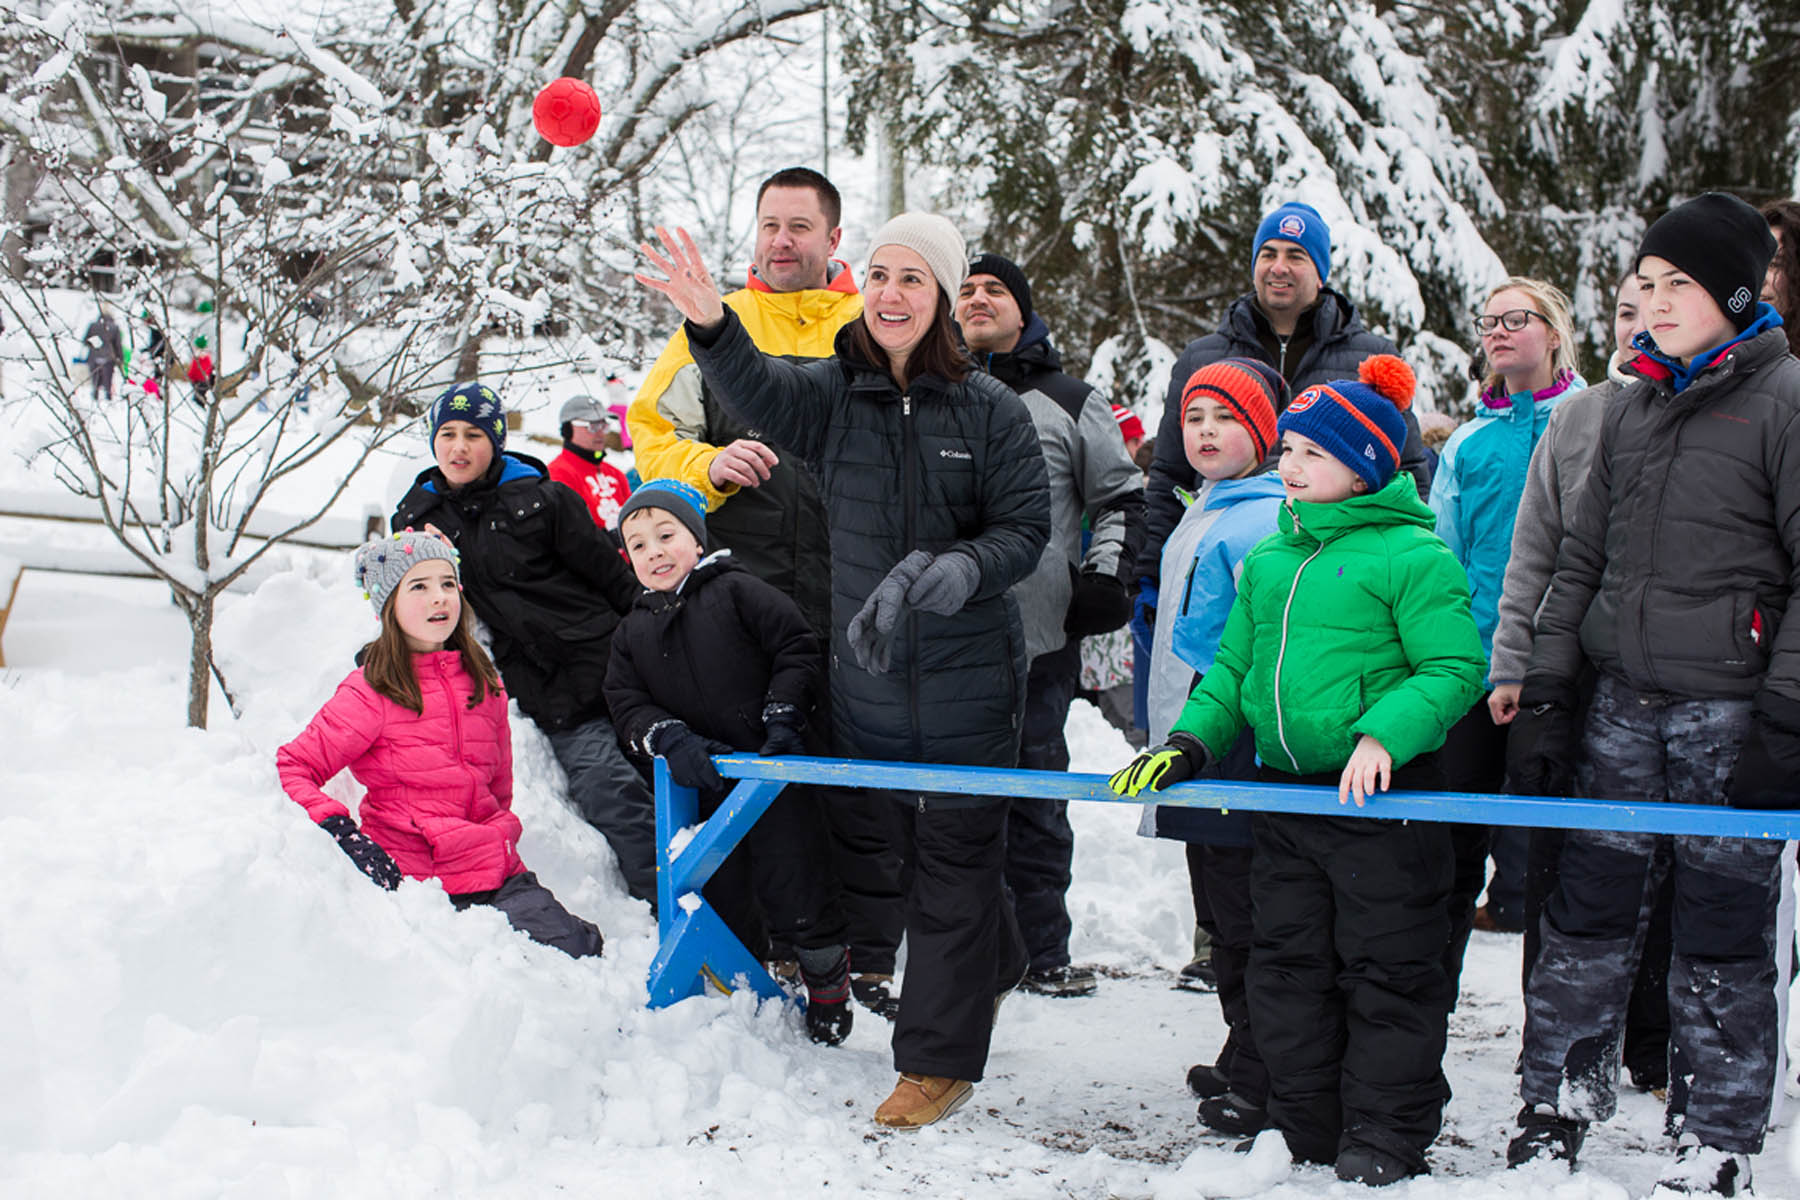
(422, 725)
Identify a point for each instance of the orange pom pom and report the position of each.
(1391, 377)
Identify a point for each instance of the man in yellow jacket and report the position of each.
(765, 506)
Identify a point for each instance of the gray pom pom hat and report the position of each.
(380, 565)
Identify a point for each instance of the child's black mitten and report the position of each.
(689, 755)
(1543, 744)
(369, 858)
(1767, 774)
(782, 724)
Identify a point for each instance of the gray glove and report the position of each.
(872, 628)
(946, 585)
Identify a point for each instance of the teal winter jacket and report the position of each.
(1479, 482)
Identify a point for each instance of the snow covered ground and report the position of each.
(203, 999)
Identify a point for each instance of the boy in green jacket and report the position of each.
(1349, 652)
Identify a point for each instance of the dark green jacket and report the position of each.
(1353, 619)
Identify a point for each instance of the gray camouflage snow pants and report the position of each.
(1646, 748)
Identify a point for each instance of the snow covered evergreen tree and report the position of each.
(1124, 149)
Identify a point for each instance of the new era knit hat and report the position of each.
(380, 565)
(1253, 390)
(682, 501)
(1358, 420)
(476, 403)
(932, 238)
(1302, 224)
(1008, 273)
(1720, 241)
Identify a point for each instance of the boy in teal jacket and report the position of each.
(1349, 652)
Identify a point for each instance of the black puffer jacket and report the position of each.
(711, 655)
(944, 465)
(544, 578)
(1679, 562)
(1337, 345)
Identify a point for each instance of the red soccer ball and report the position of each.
(566, 112)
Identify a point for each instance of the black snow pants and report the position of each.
(1347, 975)
(1040, 845)
(534, 911)
(963, 943)
(775, 884)
(1723, 1028)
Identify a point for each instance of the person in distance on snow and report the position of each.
(582, 464)
(713, 660)
(550, 587)
(938, 503)
(1350, 915)
(422, 725)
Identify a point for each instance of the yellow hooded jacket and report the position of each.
(668, 416)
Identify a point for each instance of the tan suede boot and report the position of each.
(920, 1100)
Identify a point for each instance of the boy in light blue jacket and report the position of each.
(1228, 433)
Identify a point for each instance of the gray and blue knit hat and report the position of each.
(381, 565)
(678, 498)
(476, 403)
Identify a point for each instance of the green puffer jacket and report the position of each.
(1353, 619)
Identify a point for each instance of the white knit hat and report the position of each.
(932, 238)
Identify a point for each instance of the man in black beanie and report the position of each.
(1675, 571)
(1069, 596)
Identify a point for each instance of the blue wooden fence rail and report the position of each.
(697, 948)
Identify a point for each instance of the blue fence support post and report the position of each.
(697, 947)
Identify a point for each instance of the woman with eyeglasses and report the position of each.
(1528, 340)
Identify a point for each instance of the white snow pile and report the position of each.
(203, 999)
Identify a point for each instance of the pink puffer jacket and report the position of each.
(439, 783)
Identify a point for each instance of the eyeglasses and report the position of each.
(1513, 319)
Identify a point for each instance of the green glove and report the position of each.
(1181, 757)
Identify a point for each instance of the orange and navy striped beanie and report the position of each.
(1253, 390)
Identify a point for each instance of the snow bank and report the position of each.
(205, 999)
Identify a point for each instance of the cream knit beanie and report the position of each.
(932, 238)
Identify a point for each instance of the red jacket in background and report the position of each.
(601, 486)
(439, 782)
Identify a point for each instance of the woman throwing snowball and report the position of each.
(938, 504)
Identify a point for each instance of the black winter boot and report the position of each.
(1205, 1080)
(876, 993)
(1543, 1133)
(826, 973)
(1703, 1171)
(1372, 1167)
(1233, 1115)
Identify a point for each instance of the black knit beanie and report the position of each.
(1008, 273)
(1720, 241)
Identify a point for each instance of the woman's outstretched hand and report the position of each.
(689, 288)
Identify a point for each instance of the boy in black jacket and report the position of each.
(710, 660)
(1676, 571)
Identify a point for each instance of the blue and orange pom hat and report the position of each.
(1358, 420)
(382, 564)
(476, 403)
